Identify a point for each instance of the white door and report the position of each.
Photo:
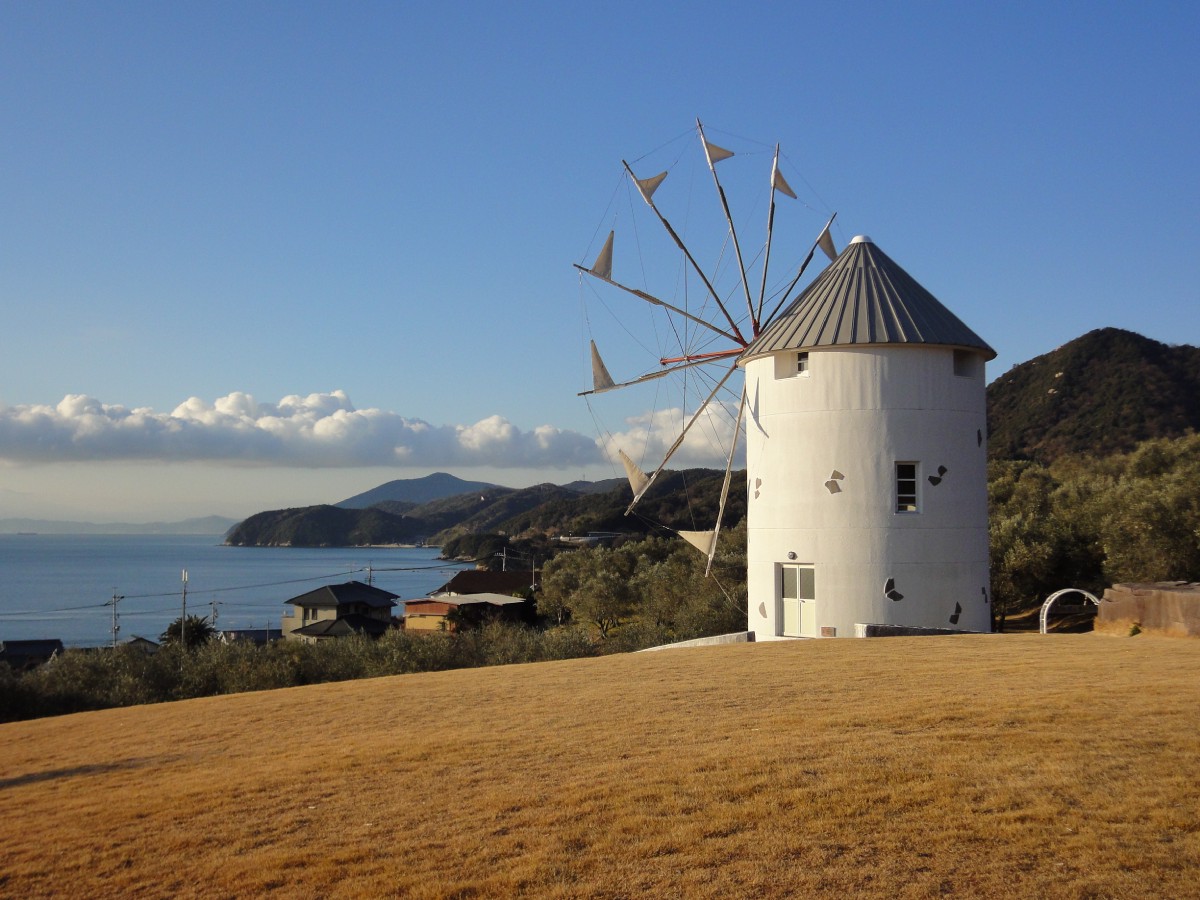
(797, 601)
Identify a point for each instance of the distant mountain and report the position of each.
(415, 490)
(216, 525)
(1101, 393)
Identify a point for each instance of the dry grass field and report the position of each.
(985, 766)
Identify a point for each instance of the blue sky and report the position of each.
(294, 237)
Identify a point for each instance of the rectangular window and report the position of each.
(801, 363)
(906, 487)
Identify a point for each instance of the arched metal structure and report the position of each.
(1044, 616)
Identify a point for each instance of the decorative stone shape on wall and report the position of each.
(957, 613)
(935, 480)
(889, 590)
(832, 484)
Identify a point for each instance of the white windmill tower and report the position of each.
(866, 459)
(864, 413)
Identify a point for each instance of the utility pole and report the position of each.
(214, 612)
(115, 627)
(183, 621)
(370, 575)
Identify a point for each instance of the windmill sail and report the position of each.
(715, 154)
(704, 541)
(649, 185)
(602, 267)
(601, 380)
(825, 242)
(780, 183)
(638, 480)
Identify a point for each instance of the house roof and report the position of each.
(477, 581)
(355, 623)
(864, 297)
(31, 646)
(488, 598)
(331, 596)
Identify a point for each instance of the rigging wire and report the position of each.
(686, 133)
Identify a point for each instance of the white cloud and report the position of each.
(318, 430)
(649, 436)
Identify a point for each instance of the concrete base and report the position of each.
(738, 637)
(861, 630)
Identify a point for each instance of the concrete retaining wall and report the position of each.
(1171, 608)
(738, 637)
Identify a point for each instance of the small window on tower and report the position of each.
(801, 363)
(968, 364)
(906, 487)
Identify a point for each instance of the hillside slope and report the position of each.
(1101, 393)
(977, 766)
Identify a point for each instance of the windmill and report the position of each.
(863, 407)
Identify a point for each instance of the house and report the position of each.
(257, 636)
(447, 612)
(338, 610)
(481, 581)
(29, 654)
(145, 645)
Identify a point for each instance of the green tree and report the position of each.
(199, 631)
(591, 585)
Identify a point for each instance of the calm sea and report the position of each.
(61, 586)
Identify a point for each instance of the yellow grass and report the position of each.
(1022, 766)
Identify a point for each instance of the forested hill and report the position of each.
(1099, 394)
(323, 526)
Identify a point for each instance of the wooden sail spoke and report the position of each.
(736, 337)
(600, 387)
(714, 154)
(679, 440)
(823, 236)
(687, 254)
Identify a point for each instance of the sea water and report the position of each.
(61, 586)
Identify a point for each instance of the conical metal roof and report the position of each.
(864, 297)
